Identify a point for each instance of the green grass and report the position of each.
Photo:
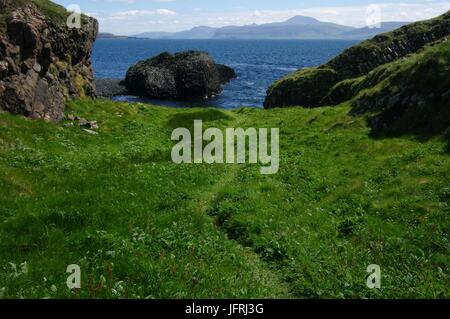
(142, 227)
(409, 95)
(55, 13)
(417, 87)
(432, 62)
(312, 87)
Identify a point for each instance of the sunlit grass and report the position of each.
(142, 227)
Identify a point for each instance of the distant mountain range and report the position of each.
(298, 27)
(366, 33)
(105, 35)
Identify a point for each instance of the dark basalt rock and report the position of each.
(42, 61)
(184, 75)
(110, 87)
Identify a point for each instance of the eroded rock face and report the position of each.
(42, 63)
(184, 75)
(411, 96)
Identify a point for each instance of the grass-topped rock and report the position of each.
(409, 95)
(310, 83)
(295, 89)
(184, 75)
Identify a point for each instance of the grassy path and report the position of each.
(117, 206)
(142, 227)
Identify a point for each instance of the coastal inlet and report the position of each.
(258, 63)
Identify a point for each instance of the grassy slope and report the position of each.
(400, 84)
(312, 85)
(140, 226)
(409, 95)
(54, 12)
(431, 61)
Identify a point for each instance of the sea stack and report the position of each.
(185, 75)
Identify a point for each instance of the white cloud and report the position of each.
(133, 14)
(165, 12)
(137, 21)
(350, 15)
(132, 1)
(356, 15)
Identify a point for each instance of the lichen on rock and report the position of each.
(42, 61)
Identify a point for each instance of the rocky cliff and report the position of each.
(42, 61)
(410, 95)
(311, 87)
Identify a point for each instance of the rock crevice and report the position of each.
(42, 61)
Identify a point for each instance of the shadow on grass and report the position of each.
(423, 134)
(395, 122)
(186, 119)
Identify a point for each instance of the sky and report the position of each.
(128, 17)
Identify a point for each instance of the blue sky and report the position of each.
(135, 16)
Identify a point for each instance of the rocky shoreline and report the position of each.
(182, 76)
(108, 88)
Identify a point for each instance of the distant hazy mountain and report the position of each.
(297, 20)
(154, 35)
(105, 35)
(298, 27)
(295, 28)
(196, 33)
(365, 33)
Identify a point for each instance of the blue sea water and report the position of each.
(258, 63)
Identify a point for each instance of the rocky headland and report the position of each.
(310, 87)
(400, 76)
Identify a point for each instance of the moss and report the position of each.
(306, 85)
(343, 91)
(62, 65)
(410, 94)
(53, 69)
(80, 84)
(432, 62)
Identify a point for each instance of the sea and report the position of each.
(258, 63)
